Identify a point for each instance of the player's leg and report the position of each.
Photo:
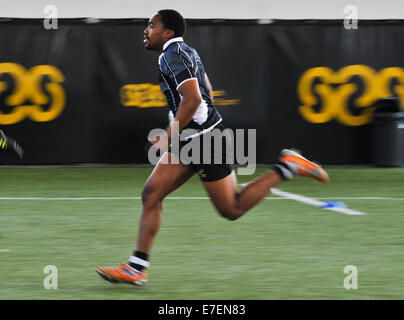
(232, 203)
(167, 176)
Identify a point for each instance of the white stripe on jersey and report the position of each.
(204, 131)
(190, 60)
(168, 86)
(182, 59)
(185, 81)
(165, 60)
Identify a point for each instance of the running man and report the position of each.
(185, 84)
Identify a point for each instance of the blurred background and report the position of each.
(82, 89)
(80, 94)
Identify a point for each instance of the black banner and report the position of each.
(88, 93)
(325, 81)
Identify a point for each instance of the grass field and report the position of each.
(282, 249)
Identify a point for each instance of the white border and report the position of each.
(207, 9)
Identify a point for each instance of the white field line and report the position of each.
(4, 250)
(363, 198)
(313, 202)
(94, 198)
(279, 197)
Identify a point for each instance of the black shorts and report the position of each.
(211, 161)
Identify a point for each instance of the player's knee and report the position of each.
(229, 214)
(150, 196)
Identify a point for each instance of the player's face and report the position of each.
(155, 35)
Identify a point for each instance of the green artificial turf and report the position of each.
(281, 249)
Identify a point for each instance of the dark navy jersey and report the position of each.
(179, 63)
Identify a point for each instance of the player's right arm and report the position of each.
(190, 102)
(181, 70)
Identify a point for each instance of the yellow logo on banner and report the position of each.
(220, 101)
(334, 99)
(142, 95)
(27, 87)
(145, 95)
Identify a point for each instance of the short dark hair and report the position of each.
(173, 20)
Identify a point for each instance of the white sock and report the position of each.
(285, 171)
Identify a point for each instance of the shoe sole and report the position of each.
(105, 276)
(319, 174)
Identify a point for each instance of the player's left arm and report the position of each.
(210, 87)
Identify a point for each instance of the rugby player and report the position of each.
(185, 84)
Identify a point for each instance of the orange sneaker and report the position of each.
(301, 166)
(123, 274)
